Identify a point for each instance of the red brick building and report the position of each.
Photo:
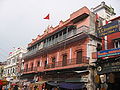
(62, 56)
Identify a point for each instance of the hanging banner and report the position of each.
(109, 52)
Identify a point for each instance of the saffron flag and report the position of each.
(47, 17)
(97, 16)
(106, 22)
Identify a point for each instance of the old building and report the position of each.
(62, 56)
(11, 69)
(104, 11)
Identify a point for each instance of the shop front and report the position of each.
(108, 71)
(64, 86)
(67, 80)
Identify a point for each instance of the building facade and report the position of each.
(104, 11)
(62, 56)
(11, 72)
(108, 63)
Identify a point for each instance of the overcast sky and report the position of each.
(22, 20)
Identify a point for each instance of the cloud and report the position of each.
(22, 20)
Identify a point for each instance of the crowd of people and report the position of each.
(18, 87)
(22, 86)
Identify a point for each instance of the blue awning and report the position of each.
(71, 85)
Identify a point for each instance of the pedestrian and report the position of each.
(25, 87)
(0, 87)
(15, 87)
(6, 88)
(36, 88)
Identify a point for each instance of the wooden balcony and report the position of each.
(68, 62)
(33, 70)
(30, 70)
(69, 37)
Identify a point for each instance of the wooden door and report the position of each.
(64, 62)
(53, 62)
(79, 57)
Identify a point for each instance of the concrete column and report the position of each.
(90, 84)
(105, 41)
(70, 53)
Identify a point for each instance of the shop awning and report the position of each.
(66, 85)
(13, 84)
(71, 85)
(75, 80)
(53, 84)
(14, 80)
(3, 82)
(31, 75)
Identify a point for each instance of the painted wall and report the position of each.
(70, 50)
(110, 39)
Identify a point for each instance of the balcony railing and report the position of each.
(63, 37)
(67, 35)
(68, 62)
(34, 69)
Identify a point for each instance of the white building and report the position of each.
(104, 11)
(11, 69)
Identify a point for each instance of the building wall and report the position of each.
(104, 11)
(70, 50)
(110, 39)
(84, 22)
(68, 22)
(11, 69)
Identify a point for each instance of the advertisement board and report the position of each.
(109, 52)
(107, 29)
(109, 67)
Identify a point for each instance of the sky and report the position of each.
(22, 20)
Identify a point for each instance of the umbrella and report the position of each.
(4, 82)
(13, 84)
(1, 82)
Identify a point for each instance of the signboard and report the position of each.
(108, 29)
(109, 52)
(109, 67)
(82, 79)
